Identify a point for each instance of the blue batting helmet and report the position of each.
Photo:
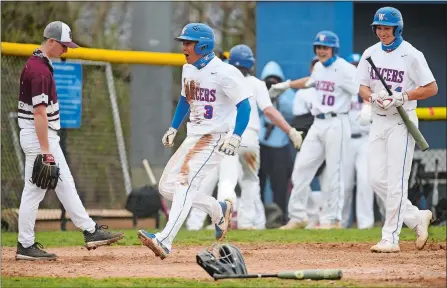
(200, 33)
(328, 39)
(354, 58)
(389, 16)
(241, 56)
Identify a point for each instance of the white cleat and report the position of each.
(422, 228)
(385, 246)
(312, 224)
(331, 225)
(294, 224)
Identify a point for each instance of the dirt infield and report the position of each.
(408, 268)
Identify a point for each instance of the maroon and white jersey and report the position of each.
(37, 87)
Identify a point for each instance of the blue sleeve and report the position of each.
(242, 117)
(180, 112)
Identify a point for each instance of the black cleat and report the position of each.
(34, 252)
(101, 237)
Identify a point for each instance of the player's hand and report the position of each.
(365, 115)
(296, 137)
(382, 99)
(277, 89)
(310, 83)
(400, 98)
(168, 138)
(230, 146)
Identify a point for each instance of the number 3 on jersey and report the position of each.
(208, 112)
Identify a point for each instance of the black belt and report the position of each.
(356, 136)
(327, 115)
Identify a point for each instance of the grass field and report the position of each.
(74, 238)
(203, 239)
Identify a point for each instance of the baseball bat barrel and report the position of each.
(414, 131)
(153, 183)
(149, 172)
(316, 274)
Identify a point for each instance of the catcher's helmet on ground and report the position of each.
(354, 58)
(242, 56)
(222, 259)
(328, 39)
(389, 16)
(200, 33)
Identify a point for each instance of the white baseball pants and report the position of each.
(327, 139)
(244, 167)
(182, 178)
(356, 171)
(391, 150)
(33, 195)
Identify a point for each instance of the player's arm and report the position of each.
(234, 87)
(242, 117)
(362, 78)
(423, 92)
(40, 89)
(265, 104)
(181, 111)
(349, 82)
(302, 83)
(421, 74)
(365, 92)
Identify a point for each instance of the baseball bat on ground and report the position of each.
(153, 183)
(414, 131)
(318, 274)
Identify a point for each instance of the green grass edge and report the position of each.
(203, 237)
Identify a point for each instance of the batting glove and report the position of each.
(365, 115)
(382, 99)
(296, 137)
(230, 146)
(400, 98)
(168, 138)
(277, 89)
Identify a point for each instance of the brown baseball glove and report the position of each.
(45, 172)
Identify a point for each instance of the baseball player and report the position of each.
(211, 92)
(327, 139)
(391, 148)
(356, 171)
(251, 214)
(303, 120)
(45, 164)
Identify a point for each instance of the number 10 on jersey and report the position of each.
(328, 100)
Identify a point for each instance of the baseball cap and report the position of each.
(60, 32)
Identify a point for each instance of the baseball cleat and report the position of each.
(101, 237)
(422, 228)
(385, 246)
(224, 222)
(312, 225)
(34, 252)
(330, 225)
(149, 240)
(294, 224)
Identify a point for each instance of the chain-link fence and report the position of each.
(95, 152)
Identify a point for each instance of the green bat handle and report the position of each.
(319, 274)
(414, 131)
